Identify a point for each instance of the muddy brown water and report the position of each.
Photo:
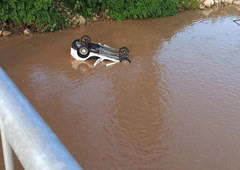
(175, 107)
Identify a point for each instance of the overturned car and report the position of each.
(84, 49)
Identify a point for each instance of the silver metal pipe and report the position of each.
(7, 152)
(34, 143)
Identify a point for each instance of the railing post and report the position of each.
(7, 151)
(34, 143)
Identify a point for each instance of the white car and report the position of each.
(84, 49)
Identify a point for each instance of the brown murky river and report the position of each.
(175, 107)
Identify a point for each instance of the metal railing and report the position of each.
(23, 129)
(236, 21)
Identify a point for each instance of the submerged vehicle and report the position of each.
(84, 49)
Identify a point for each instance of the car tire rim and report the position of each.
(124, 51)
(85, 40)
(83, 51)
(125, 62)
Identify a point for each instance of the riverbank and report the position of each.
(204, 4)
(73, 20)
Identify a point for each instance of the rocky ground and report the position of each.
(204, 4)
(73, 20)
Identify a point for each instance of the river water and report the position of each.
(175, 107)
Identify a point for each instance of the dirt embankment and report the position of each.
(73, 20)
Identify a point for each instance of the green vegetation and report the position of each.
(83, 7)
(141, 8)
(136, 9)
(46, 16)
(189, 4)
(43, 13)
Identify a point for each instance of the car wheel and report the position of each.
(124, 50)
(83, 51)
(86, 39)
(125, 61)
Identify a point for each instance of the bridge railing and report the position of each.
(24, 131)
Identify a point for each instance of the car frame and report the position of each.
(84, 49)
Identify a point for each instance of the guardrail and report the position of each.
(23, 130)
(236, 21)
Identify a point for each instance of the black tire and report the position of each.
(125, 61)
(124, 50)
(74, 44)
(86, 39)
(83, 51)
